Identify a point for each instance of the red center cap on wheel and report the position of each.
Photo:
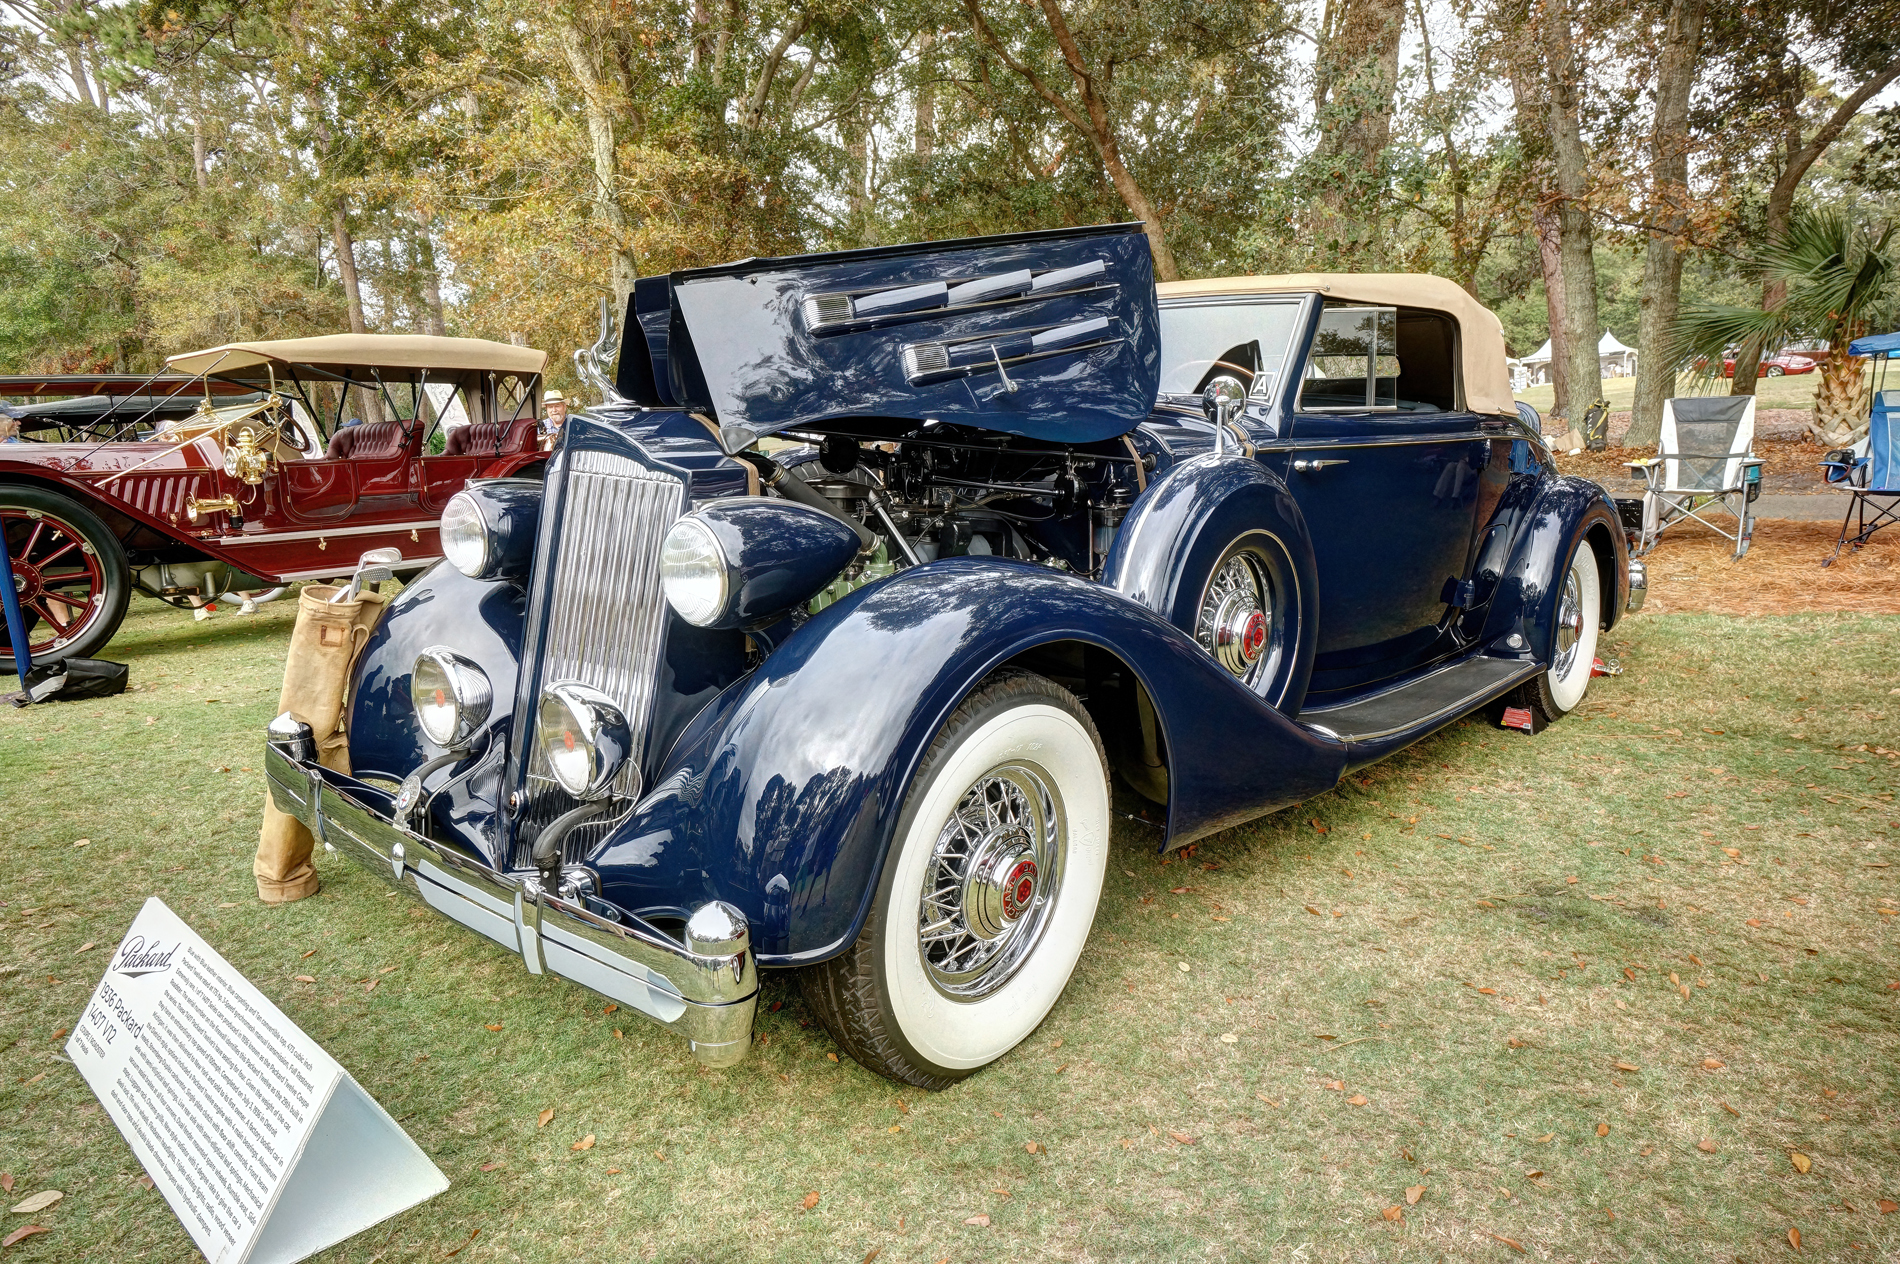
(1019, 889)
(1254, 638)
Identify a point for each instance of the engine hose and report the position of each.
(792, 487)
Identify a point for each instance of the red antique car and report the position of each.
(298, 456)
(1778, 365)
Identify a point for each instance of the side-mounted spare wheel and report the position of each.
(69, 571)
(988, 892)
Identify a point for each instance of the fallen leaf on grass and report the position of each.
(1794, 1238)
(1316, 825)
(24, 1231)
(1706, 1146)
(1487, 991)
(1337, 1086)
(832, 1056)
(613, 1171)
(980, 1221)
(585, 1143)
(6, 1182)
(311, 953)
(1801, 1161)
(1182, 1137)
(1315, 912)
(62, 1031)
(492, 1026)
(875, 1251)
(146, 1181)
(1032, 1147)
(38, 1202)
(1730, 1109)
(1533, 1174)
(1514, 1245)
(1358, 1099)
(1603, 1130)
(1268, 1100)
(489, 1167)
(1627, 1066)
(458, 1250)
(1393, 1213)
(1515, 1043)
(87, 842)
(544, 1118)
(1887, 1206)
(895, 1128)
(1713, 1064)
(304, 978)
(810, 1200)
(1413, 1194)
(610, 1009)
(1549, 1136)
(85, 947)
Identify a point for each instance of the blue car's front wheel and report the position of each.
(988, 894)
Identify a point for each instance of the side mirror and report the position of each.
(1223, 401)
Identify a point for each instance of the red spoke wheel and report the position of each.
(69, 572)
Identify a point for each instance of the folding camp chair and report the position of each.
(1704, 463)
(1870, 471)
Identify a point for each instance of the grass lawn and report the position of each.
(1587, 992)
(1796, 391)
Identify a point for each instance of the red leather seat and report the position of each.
(490, 438)
(370, 441)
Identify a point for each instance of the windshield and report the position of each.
(1245, 339)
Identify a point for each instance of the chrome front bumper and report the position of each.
(1639, 586)
(705, 989)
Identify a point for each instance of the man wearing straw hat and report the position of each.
(553, 417)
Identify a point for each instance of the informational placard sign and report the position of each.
(261, 1142)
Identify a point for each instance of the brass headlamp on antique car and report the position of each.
(848, 707)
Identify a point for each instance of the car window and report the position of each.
(1381, 359)
(1247, 340)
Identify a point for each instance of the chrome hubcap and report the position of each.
(992, 881)
(1233, 620)
(1569, 624)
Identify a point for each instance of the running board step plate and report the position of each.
(1439, 694)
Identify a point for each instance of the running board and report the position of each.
(1419, 705)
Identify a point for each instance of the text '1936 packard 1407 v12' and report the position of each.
(701, 705)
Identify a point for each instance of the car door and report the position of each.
(1386, 468)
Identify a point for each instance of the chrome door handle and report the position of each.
(1308, 467)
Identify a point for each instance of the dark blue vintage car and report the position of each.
(818, 646)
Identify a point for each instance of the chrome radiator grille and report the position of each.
(605, 616)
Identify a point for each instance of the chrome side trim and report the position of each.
(707, 996)
(278, 537)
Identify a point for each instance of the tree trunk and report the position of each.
(624, 267)
(1840, 402)
(1550, 260)
(434, 319)
(1668, 193)
(1356, 73)
(924, 127)
(1573, 215)
(345, 246)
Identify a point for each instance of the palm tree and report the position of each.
(1840, 279)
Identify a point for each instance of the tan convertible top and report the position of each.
(380, 351)
(1487, 381)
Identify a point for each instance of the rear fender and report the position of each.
(1569, 512)
(783, 796)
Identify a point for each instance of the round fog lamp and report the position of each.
(465, 535)
(693, 572)
(584, 736)
(452, 696)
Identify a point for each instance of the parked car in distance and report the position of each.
(688, 710)
(256, 469)
(1782, 363)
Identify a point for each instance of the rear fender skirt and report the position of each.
(1178, 529)
(1567, 512)
(783, 795)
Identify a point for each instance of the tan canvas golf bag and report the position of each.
(325, 643)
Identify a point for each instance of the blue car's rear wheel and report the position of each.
(987, 895)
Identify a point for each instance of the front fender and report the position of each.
(783, 796)
(1568, 513)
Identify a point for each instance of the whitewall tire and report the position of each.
(987, 895)
(1574, 643)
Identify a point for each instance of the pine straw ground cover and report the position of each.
(1622, 991)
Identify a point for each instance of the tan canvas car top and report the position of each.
(380, 351)
(1487, 381)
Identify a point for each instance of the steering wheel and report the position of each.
(292, 435)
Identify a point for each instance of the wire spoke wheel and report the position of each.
(1569, 624)
(991, 881)
(1235, 622)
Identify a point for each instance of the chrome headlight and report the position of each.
(584, 736)
(488, 528)
(693, 572)
(452, 696)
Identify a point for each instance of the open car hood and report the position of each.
(1048, 335)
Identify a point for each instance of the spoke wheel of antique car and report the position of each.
(988, 892)
(1247, 615)
(69, 572)
(1560, 689)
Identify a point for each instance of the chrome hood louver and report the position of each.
(595, 611)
